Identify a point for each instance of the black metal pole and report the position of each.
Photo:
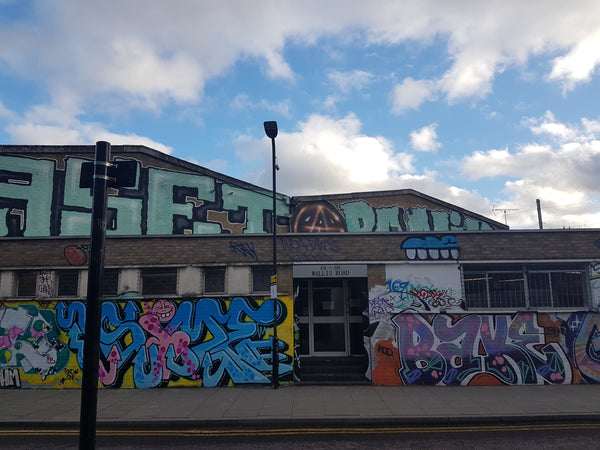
(91, 345)
(274, 219)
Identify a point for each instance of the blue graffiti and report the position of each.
(431, 248)
(210, 340)
(245, 249)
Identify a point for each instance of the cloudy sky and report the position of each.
(488, 105)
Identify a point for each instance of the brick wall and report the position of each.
(257, 249)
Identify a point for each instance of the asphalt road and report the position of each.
(555, 436)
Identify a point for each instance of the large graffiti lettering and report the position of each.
(360, 216)
(39, 199)
(485, 349)
(475, 349)
(210, 342)
(42, 197)
(201, 342)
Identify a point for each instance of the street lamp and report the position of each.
(99, 175)
(271, 131)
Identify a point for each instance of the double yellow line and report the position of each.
(304, 431)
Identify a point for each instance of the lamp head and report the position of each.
(271, 129)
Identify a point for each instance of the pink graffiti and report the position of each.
(163, 310)
(433, 297)
(163, 340)
(15, 332)
(5, 342)
(37, 334)
(108, 376)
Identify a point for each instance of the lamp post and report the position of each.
(271, 131)
(98, 176)
(93, 309)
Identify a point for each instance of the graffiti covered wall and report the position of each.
(157, 343)
(412, 348)
(431, 287)
(39, 199)
(421, 333)
(363, 216)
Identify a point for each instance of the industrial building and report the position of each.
(390, 287)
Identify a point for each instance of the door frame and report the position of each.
(345, 319)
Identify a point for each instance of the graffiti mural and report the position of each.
(404, 294)
(485, 349)
(430, 288)
(431, 248)
(42, 197)
(318, 217)
(39, 199)
(205, 342)
(360, 216)
(595, 282)
(30, 340)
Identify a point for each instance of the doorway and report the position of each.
(329, 313)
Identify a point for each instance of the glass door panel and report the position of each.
(330, 317)
(330, 337)
(328, 299)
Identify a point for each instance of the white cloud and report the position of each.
(329, 155)
(549, 126)
(353, 80)
(154, 50)
(49, 125)
(5, 113)
(144, 54)
(561, 170)
(469, 77)
(138, 69)
(242, 102)
(425, 139)
(579, 64)
(277, 67)
(410, 94)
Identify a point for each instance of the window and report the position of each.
(68, 283)
(525, 286)
(26, 283)
(557, 288)
(214, 279)
(261, 278)
(110, 283)
(159, 281)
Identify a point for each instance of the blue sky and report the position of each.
(486, 105)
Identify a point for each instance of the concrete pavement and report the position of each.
(303, 406)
